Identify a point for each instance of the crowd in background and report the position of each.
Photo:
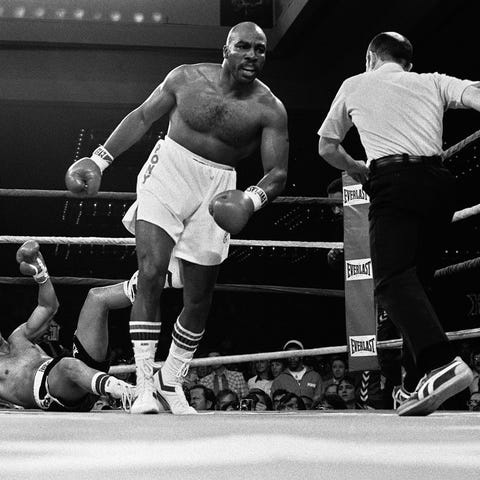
(321, 382)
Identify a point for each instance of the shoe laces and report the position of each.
(126, 395)
(145, 379)
(182, 373)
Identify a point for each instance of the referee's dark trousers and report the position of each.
(412, 204)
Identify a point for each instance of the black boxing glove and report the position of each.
(85, 175)
(232, 209)
(31, 261)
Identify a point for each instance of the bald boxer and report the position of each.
(399, 116)
(31, 379)
(187, 202)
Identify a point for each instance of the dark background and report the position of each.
(58, 100)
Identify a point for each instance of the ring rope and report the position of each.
(18, 192)
(130, 242)
(458, 267)
(9, 192)
(226, 287)
(450, 152)
(466, 213)
(252, 357)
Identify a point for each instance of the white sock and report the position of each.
(183, 346)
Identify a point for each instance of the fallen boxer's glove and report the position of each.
(31, 261)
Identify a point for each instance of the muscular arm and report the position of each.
(39, 321)
(335, 155)
(274, 152)
(132, 128)
(471, 97)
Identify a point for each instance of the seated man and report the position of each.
(201, 397)
(31, 379)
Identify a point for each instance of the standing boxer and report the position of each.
(399, 117)
(219, 114)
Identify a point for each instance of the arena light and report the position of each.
(118, 11)
(19, 12)
(159, 17)
(138, 17)
(115, 16)
(39, 12)
(60, 13)
(78, 14)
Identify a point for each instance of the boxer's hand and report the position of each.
(84, 176)
(31, 261)
(231, 210)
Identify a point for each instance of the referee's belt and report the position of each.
(404, 159)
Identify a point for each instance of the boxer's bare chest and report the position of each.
(18, 366)
(231, 120)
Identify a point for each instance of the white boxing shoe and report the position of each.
(145, 399)
(173, 395)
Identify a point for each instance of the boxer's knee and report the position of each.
(152, 273)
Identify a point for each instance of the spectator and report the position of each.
(260, 400)
(221, 379)
(191, 378)
(475, 366)
(201, 398)
(290, 401)
(277, 395)
(263, 377)
(335, 191)
(227, 400)
(276, 366)
(335, 256)
(330, 400)
(297, 378)
(308, 401)
(473, 403)
(203, 371)
(338, 370)
(346, 391)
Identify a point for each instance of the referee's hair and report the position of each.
(392, 45)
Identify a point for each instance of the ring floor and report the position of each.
(374, 445)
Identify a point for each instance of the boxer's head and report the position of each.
(244, 52)
(389, 47)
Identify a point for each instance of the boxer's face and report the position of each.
(245, 54)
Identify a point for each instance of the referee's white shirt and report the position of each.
(394, 111)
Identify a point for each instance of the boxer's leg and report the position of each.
(154, 247)
(70, 379)
(187, 332)
(92, 328)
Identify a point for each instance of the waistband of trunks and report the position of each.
(196, 157)
(40, 390)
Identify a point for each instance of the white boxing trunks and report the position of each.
(174, 189)
(41, 393)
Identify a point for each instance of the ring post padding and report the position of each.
(360, 311)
